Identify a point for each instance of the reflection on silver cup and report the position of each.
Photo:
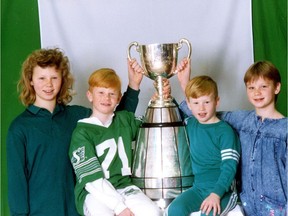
(159, 61)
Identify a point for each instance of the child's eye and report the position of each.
(250, 88)
(207, 102)
(114, 95)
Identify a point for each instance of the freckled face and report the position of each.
(204, 108)
(47, 83)
(104, 100)
(261, 92)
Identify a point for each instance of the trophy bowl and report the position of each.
(159, 61)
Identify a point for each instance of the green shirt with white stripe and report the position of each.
(214, 152)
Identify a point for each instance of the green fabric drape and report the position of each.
(269, 19)
(19, 36)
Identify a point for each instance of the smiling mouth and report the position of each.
(105, 104)
(202, 115)
(48, 91)
(258, 99)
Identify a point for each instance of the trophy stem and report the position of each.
(160, 100)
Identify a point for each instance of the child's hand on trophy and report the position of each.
(166, 90)
(135, 74)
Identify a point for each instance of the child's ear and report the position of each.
(217, 101)
(278, 88)
(119, 98)
(89, 96)
(188, 103)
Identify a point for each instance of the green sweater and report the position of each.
(215, 154)
(99, 152)
(40, 176)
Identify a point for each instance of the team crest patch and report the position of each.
(131, 191)
(78, 156)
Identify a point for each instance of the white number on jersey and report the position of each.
(112, 147)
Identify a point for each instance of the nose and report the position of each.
(202, 107)
(257, 91)
(107, 96)
(49, 82)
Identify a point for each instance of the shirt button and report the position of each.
(261, 198)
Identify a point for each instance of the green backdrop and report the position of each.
(20, 35)
(270, 39)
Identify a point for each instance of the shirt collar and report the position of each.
(94, 120)
(35, 109)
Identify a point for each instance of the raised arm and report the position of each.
(130, 98)
(135, 74)
(184, 71)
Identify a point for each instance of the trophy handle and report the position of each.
(129, 48)
(183, 40)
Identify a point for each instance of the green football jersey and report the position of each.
(103, 152)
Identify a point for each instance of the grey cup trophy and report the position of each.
(159, 61)
(161, 164)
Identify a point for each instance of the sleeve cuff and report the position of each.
(132, 93)
(219, 190)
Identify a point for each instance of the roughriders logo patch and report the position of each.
(78, 156)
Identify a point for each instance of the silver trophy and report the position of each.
(159, 61)
(161, 164)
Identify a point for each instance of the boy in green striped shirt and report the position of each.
(214, 148)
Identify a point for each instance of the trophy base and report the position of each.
(161, 165)
(163, 190)
(162, 203)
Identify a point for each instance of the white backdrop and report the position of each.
(96, 34)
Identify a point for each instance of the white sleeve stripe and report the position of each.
(229, 150)
(227, 154)
(85, 163)
(230, 154)
(231, 157)
(88, 173)
(87, 168)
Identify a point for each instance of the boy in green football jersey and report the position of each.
(101, 154)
